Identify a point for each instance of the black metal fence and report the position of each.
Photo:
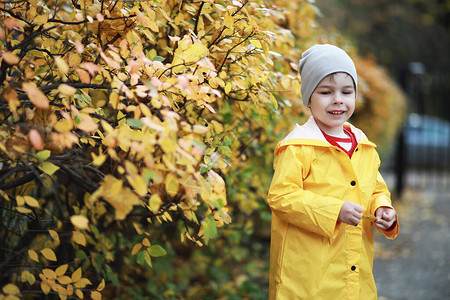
(422, 155)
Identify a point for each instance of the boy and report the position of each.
(326, 192)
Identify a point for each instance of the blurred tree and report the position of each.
(399, 33)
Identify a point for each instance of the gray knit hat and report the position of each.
(320, 61)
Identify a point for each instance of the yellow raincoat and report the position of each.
(312, 255)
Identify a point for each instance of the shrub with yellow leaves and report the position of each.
(126, 125)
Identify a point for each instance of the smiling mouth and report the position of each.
(339, 112)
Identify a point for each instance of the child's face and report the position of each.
(333, 102)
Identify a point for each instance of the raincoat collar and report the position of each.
(309, 134)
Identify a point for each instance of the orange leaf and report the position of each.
(88, 125)
(36, 96)
(96, 295)
(136, 248)
(36, 139)
(10, 58)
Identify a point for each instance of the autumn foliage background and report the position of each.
(136, 142)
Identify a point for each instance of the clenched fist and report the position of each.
(351, 213)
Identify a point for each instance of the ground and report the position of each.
(416, 265)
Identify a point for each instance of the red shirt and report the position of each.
(339, 142)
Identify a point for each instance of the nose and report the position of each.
(337, 99)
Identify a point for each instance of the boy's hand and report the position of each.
(351, 213)
(385, 217)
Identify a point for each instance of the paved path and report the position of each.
(416, 265)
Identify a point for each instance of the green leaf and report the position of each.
(83, 97)
(135, 123)
(80, 254)
(140, 257)
(209, 228)
(42, 155)
(158, 58)
(156, 251)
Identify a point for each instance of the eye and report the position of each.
(347, 92)
(324, 92)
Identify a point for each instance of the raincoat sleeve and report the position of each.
(291, 203)
(382, 197)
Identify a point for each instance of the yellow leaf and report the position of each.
(76, 275)
(20, 200)
(40, 20)
(10, 58)
(82, 283)
(155, 202)
(49, 254)
(80, 222)
(101, 286)
(136, 248)
(369, 217)
(10, 289)
(66, 89)
(227, 88)
(61, 270)
(48, 168)
(98, 160)
(45, 287)
(24, 210)
(79, 238)
(62, 65)
(167, 144)
(147, 258)
(114, 100)
(23, 275)
(228, 21)
(36, 96)
(33, 255)
(49, 274)
(79, 294)
(137, 228)
(63, 125)
(74, 59)
(171, 184)
(256, 43)
(4, 195)
(27, 276)
(64, 279)
(54, 235)
(200, 129)
(30, 201)
(138, 184)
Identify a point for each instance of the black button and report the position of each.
(356, 150)
(353, 183)
(353, 268)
